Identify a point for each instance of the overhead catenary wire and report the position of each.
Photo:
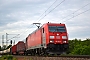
(13, 37)
(52, 9)
(31, 24)
(75, 11)
(46, 11)
(27, 30)
(21, 33)
(78, 14)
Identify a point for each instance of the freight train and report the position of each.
(50, 38)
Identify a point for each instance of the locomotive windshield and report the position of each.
(57, 29)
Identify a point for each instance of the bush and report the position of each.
(7, 57)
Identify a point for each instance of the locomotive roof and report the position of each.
(45, 24)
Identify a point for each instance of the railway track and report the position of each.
(72, 57)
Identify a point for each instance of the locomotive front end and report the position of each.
(58, 38)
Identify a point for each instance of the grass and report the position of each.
(7, 57)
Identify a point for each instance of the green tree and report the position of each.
(72, 44)
(79, 47)
(81, 50)
(9, 46)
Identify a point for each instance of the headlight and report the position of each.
(51, 41)
(51, 37)
(64, 37)
(64, 41)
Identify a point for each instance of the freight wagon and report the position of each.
(21, 48)
(14, 49)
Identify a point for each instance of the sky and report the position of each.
(17, 16)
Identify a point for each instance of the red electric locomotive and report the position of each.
(50, 38)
